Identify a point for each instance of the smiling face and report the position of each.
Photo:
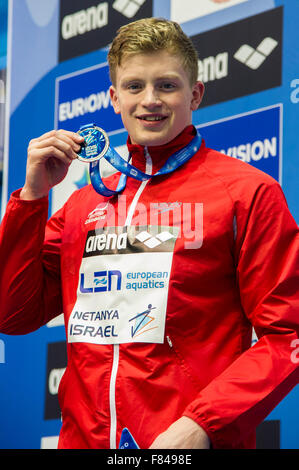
(153, 94)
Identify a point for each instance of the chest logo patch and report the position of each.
(123, 285)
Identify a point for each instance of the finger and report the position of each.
(61, 133)
(52, 151)
(64, 144)
(73, 135)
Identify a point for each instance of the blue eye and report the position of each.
(134, 86)
(167, 86)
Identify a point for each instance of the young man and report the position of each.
(159, 304)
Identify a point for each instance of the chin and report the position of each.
(152, 141)
(155, 142)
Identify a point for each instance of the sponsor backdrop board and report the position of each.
(248, 59)
(244, 57)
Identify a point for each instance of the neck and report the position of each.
(160, 153)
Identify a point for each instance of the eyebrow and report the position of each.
(135, 78)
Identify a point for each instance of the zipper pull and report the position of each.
(169, 341)
(148, 161)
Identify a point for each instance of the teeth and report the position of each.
(152, 118)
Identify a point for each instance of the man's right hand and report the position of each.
(48, 161)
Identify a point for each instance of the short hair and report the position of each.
(152, 35)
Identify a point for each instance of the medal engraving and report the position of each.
(95, 145)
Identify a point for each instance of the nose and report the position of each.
(150, 97)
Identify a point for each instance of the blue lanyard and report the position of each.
(109, 153)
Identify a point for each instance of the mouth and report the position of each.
(151, 117)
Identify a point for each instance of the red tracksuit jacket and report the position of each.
(160, 289)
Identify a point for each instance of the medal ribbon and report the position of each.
(173, 162)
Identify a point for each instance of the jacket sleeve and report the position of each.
(267, 255)
(30, 291)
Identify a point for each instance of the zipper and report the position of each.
(115, 358)
(113, 419)
(169, 341)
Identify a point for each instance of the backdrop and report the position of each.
(57, 77)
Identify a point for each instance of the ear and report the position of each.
(197, 95)
(114, 99)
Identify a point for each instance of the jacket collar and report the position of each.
(160, 153)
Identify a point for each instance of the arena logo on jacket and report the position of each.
(123, 285)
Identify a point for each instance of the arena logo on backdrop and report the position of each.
(215, 68)
(128, 8)
(254, 58)
(96, 17)
(241, 58)
(88, 25)
(253, 137)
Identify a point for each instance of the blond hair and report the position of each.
(150, 35)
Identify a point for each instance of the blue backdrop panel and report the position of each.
(83, 97)
(253, 137)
